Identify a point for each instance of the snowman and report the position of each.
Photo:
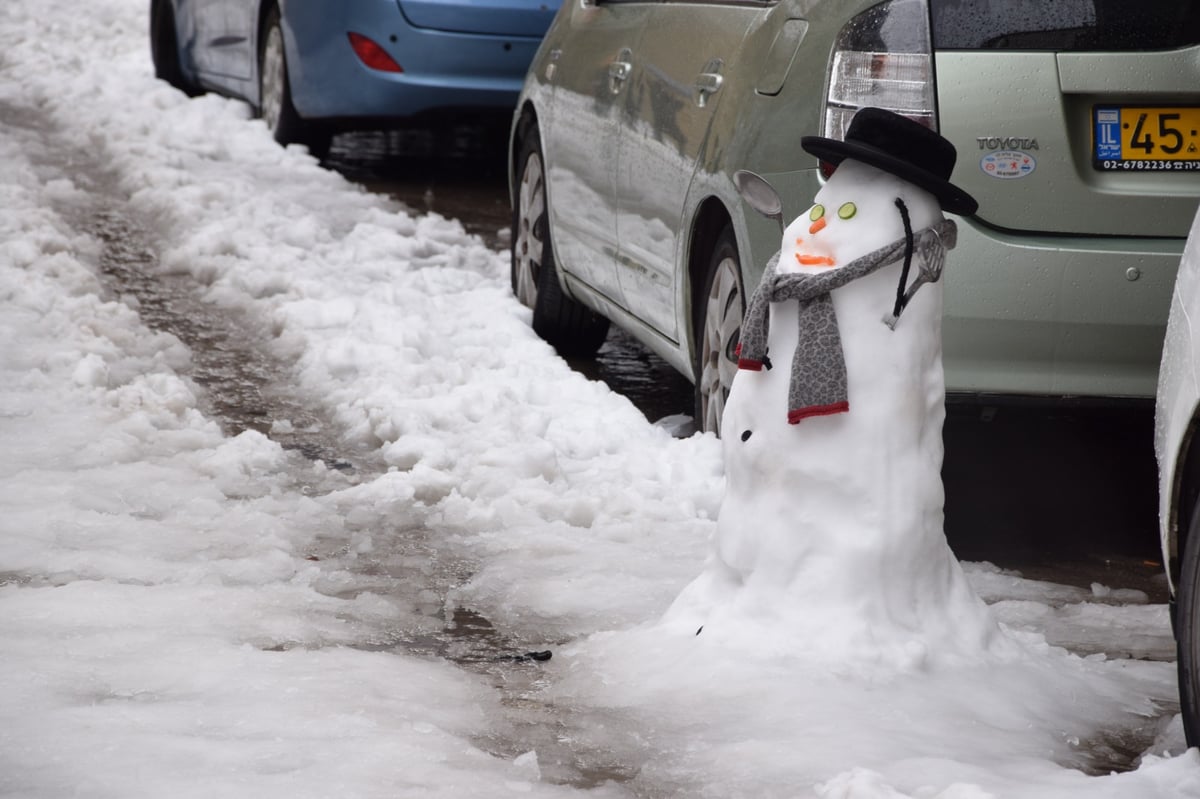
(829, 542)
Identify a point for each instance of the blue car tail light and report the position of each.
(372, 55)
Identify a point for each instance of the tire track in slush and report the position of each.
(244, 386)
(247, 388)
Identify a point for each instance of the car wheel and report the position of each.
(1187, 632)
(718, 331)
(573, 330)
(164, 48)
(275, 95)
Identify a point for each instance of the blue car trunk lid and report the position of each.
(499, 17)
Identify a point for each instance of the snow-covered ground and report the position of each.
(186, 613)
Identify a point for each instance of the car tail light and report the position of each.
(372, 54)
(882, 58)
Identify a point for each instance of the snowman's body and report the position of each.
(830, 531)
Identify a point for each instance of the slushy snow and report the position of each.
(185, 612)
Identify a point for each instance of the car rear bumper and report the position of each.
(1056, 316)
(440, 68)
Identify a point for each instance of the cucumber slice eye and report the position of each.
(816, 213)
(847, 210)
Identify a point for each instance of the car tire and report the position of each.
(571, 328)
(275, 94)
(718, 331)
(164, 48)
(1187, 632)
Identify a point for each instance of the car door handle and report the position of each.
(709, 81)
(618, 71)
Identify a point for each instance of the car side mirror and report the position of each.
(760, 195)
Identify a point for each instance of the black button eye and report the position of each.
(746, 435)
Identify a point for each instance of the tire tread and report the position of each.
(1187, 632)
(573, 329)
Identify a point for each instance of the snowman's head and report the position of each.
(855, 213)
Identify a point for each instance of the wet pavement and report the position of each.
(458, 172)
(1065, 494)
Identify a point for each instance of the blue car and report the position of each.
(310, 68)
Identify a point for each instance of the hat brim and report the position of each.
(950, 197)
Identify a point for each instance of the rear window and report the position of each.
(1065, 25)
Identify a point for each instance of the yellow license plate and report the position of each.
(1146, 139)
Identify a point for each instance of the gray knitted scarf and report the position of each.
(818, 378)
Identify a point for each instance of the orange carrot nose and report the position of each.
(817, 226)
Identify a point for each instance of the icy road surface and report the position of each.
(329, 587)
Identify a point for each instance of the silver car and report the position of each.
(1077, 125)
(1178, 449)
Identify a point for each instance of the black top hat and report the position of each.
(901, 147)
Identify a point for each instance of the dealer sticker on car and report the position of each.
(1008, 164)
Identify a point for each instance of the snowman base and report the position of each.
(869, 631)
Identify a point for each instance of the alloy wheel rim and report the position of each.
(722, 330)
(272, 79)
(528, 248)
